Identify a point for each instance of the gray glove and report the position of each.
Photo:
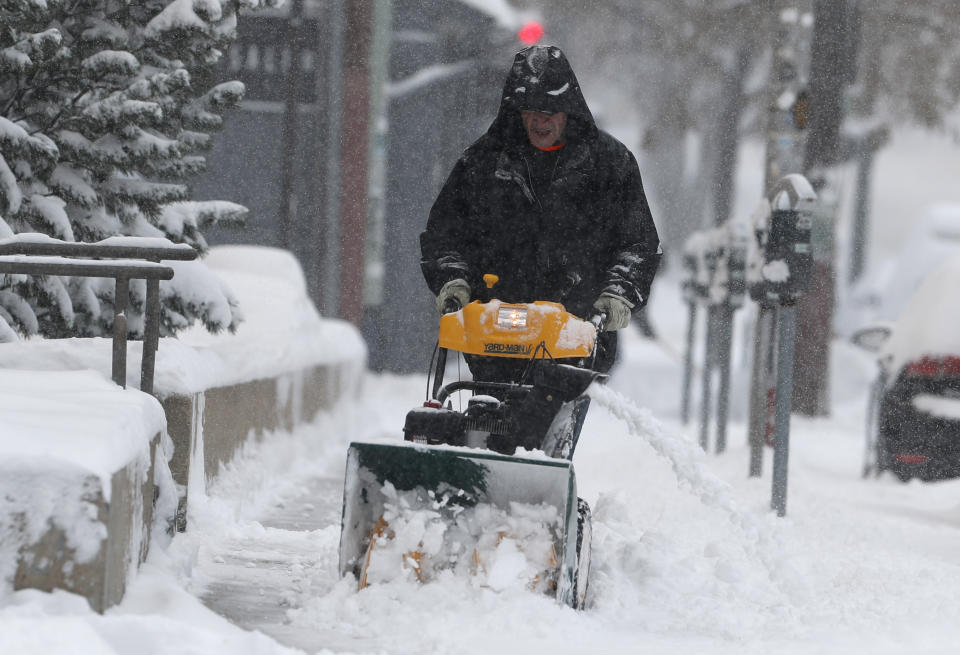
(454, 291)
(616, 308)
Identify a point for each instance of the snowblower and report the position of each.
(488, 490)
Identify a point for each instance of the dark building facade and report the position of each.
(355, 113)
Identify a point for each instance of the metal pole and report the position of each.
(781, 453)
(355, 158)
(330, 290)
(724, 348)
(860, 215)
(288, 167)
(762, 365)
(151, 336)
(791, 23)
(120, 297)
(707, 374)
(688, 363)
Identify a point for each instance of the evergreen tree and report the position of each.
(105, 109)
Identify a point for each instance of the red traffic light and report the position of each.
(531, 32)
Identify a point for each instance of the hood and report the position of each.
(541, 79)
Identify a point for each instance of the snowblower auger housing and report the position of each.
(446, 481)
(458, 468)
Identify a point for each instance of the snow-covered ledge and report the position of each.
(78, 464)
(282, 365)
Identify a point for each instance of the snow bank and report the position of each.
(75, 418)
(60, 433)
(281, 332)
(158, 612)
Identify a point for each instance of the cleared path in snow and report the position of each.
(253, 580)
(283, 549)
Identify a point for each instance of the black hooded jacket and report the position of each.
(564, 231)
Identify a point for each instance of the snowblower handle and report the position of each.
(599, 321)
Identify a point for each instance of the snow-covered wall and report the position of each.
(77, 460)
(70, 438)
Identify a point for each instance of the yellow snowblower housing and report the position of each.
(499, 329)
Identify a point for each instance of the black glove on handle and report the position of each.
(616, 309)
(453, 295)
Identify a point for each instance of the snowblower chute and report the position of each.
(455, 496)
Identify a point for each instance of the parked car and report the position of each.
(913, 425)
(884, 289)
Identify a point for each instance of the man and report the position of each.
(548, 202)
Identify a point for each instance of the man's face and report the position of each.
(544, 130)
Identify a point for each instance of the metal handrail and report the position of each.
(109, 249)
(52, 257)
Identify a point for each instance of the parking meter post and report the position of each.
(786, 330)
(724, 352)
(688, 362)
(764, 366)
(789, 263)
(736, 291)
(708, 359)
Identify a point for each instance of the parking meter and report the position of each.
(788, 257)
(689, 285)
(736, 268)
(756, 284)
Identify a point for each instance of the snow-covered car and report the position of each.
(913, 427)
(885, 288)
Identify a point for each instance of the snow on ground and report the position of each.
(688, 557)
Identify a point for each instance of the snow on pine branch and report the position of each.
(14, 311)
(109, 62)
(15, 140)
(107, 151)
(73, 185)
(118, 110)
(225, 94)
(143, 191)
(261, 4)
(10, 195)
(5, 231)
(107, 31)
(183, 220)
(49, 211)
(159, 83)
(143, 144)
(184, 15)
(21, 56)
(14, 61)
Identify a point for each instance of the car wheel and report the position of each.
(903, 476)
